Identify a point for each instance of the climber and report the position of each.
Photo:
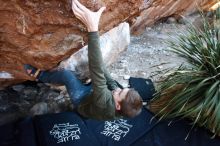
(103, 99)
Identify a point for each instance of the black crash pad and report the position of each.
(69, 129)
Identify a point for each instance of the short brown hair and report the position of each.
(131, 105)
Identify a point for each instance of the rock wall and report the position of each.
(154, 10)
(45, 32)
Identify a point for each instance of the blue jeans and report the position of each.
(76, 90)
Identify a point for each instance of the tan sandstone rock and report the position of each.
(43, 33)
(154, 10)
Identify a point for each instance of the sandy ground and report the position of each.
(148, 55)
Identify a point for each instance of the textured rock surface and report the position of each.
(155, 10)
(43, 33)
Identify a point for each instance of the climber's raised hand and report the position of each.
(88, 17)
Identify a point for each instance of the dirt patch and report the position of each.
(148, 55)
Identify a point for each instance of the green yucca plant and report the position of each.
(199, 95)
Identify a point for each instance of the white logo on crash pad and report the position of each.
(65, 132)
(116, 129)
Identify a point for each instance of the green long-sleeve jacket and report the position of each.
(100, 104)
